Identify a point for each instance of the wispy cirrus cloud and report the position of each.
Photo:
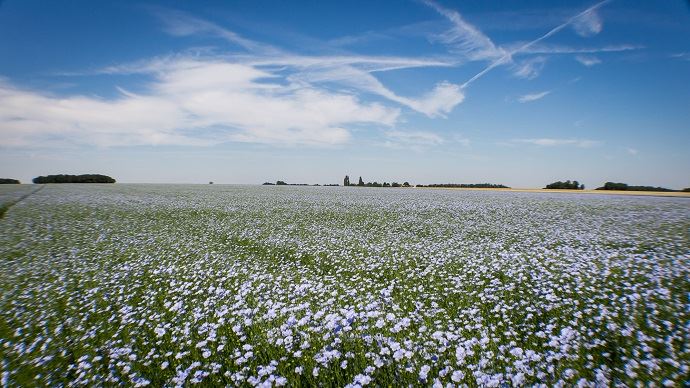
(684, 56)
(588, 23)
(355, 71)
(544, 48)
(464, 38)
(419, 138)
(588, 60)
(179, 23)
(509, 54)
(552, 142)
(529, 68)
(533, 96)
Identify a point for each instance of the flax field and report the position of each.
(224, 285)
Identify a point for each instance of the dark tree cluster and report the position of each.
(467, 185)
(686, 190)
(85, 178)
(567, 185)
(8, 181)
(625, 187)
(283, 183)
(361, 183)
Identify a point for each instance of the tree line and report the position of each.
(567, 185)
(574, 185)
(8, 181)
(625, 187)
(467, 185)
(283, 183)
(65, 178)
(360, 183)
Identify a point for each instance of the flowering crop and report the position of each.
(242, 285)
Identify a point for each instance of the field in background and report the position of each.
(603, 192)
(250, 285)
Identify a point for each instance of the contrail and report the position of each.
(509, 54)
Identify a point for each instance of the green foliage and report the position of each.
(465, 185)
(625, 187)
(361, 183)
(7, 181)
(84, 178)
(346, 181)
(567, 185)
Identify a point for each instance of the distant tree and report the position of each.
(686, 190)
(281, 183)
(8, 181)
(567, 185)
(346, 181)
(395, 184)
(63, 178)
(361, 182)
(625, 187)
(406, 184)
(613, 186)
(268, 184)
(467, 185)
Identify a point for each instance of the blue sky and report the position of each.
(520, 93)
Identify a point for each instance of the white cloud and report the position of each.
(351, 71)
(588, 61)
(530, 68)
(550, 142)
(418, 138)
(460, 139)
(191, 103)
(632, 151)
(439, 101)
(685, 56)
(507, 57)
(416, 141)
(588, 23)
(533, 96)
(178, 23)
(465, 38)
(265, 94)
(543, 48)
(435, 103)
